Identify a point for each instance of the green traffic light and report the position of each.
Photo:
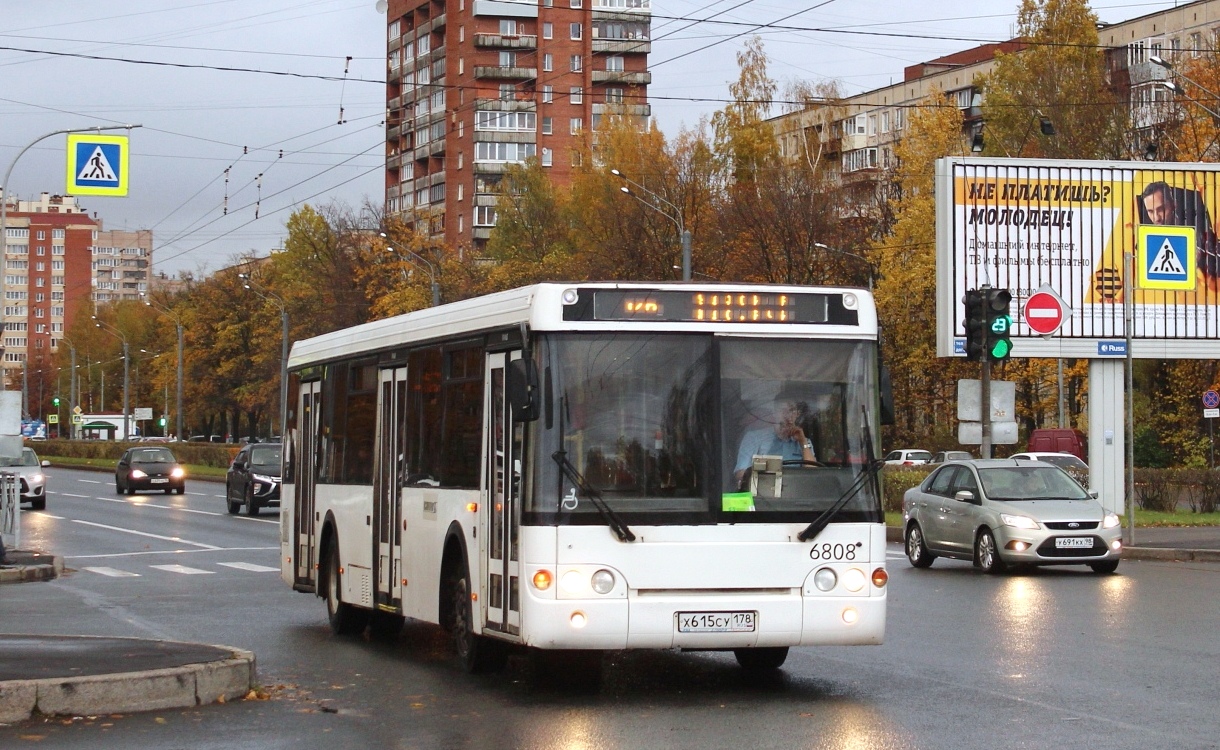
(1001, 349)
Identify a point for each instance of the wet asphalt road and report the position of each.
(1057, 658)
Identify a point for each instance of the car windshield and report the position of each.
(27, 458)
(1030, 483)
(636, 416)
(152, 456)
(265, 457)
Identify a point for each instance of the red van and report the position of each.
(1060, 440)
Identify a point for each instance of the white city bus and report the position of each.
(590, 466)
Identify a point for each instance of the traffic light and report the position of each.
(999, 324)
(161, 421)
(976, 324)
(55, 402)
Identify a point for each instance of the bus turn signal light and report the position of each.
(880, 577)
(542, 580)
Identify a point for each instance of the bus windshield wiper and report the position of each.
(822, 521)
(611, 518)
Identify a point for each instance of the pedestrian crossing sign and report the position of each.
(1166, 257)
(97, 164)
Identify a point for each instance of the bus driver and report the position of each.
(786, 438)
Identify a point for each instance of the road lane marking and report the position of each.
(179, 540)
(168, 552)
(184, 570)
(260, 520)
(250, 567)
(69, 494)
(140, 504)
(90, 481)
(48, 515)
(112, 572)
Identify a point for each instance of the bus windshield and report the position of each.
(669, 428)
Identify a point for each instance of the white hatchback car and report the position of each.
(29, 473)
(907, 457)
(1001, 512)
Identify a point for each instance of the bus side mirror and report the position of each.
(887, 396)
(523, 389)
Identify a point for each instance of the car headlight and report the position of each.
(1110, 521)
(137, 474)
(36, 478)
(1019, 522)
(178, 472)
(264, 478)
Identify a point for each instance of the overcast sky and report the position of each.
(258, 88)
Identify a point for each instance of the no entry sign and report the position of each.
(1044, 313)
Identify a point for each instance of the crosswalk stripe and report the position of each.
(250, 567)
(112, 572)
(183, 570)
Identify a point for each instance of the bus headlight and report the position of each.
(572, 582)
(853, 579)
(602, 581)
(825, 579)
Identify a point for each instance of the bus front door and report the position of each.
(388, 478)
(500, 519)
(309, 407)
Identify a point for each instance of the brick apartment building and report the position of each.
(58, 258)
(477, 85)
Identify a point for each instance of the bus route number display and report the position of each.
(706, 306)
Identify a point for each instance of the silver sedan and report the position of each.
(1001, 512)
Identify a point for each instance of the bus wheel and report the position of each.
(477, 654)
(758, 659)
(344, 618)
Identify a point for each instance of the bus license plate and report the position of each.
(1065, 542)
(717, 622)
(160, 481)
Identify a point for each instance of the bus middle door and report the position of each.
(501, 518)
(309, 407)
(387, 488)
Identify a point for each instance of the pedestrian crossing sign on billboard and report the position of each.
(1166, 257)
(97, 164)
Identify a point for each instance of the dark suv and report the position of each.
(254, 478)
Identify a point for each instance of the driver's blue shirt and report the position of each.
(764, 442)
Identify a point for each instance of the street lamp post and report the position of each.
(72, 386)
(4, 187)
(418, 261)
(1168, 66)
(126, 374)
(178, 324)
(868, 264)
(270, 296)
(675, 217)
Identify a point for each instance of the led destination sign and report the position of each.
(709, 306)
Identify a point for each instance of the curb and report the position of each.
(894, 534)
(128, 692)
(25, 572)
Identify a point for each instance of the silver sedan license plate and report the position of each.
(1071, 542)
(717, 622)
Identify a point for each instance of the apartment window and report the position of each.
(900, 116)
(503, 152)
(548, 30)
(423, 46)
(872, 125)
(614, 95)
(546, 157)
(40, 266)
(495, 120)
(40, 282)
(508, 59)
(546, 126)
(484, 216)
(506, 91)
(40, 297)
(508, 27)
(42, 250)
(614, 63)
(575, 125)
(885, 122)
(576, 63)
(57, 234)
(576, 30)
(394, 31)
(548, 62)
(576, 4)
(578, 95)
(42, 235)
(57, 249)
(1196, 44)
(548, 93)
(860, 119)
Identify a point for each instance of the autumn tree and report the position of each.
(743, 138)
(1056, 82)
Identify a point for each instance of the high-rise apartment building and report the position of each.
(57, 258)
(477, 85)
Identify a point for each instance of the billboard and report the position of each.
(1071, 228)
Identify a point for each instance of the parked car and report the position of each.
(1001, 512)
(253, 479)
(941, 457)
(28, 469)
(149, 468)
(907, 457)
(1062, 460)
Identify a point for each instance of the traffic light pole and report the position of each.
(985, 409)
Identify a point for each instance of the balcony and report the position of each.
(631, 110)
(506, 8)
(502, 41)
(505, 105)
(489, 71)
(393, 132)
(623, 46)
(627, 77)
